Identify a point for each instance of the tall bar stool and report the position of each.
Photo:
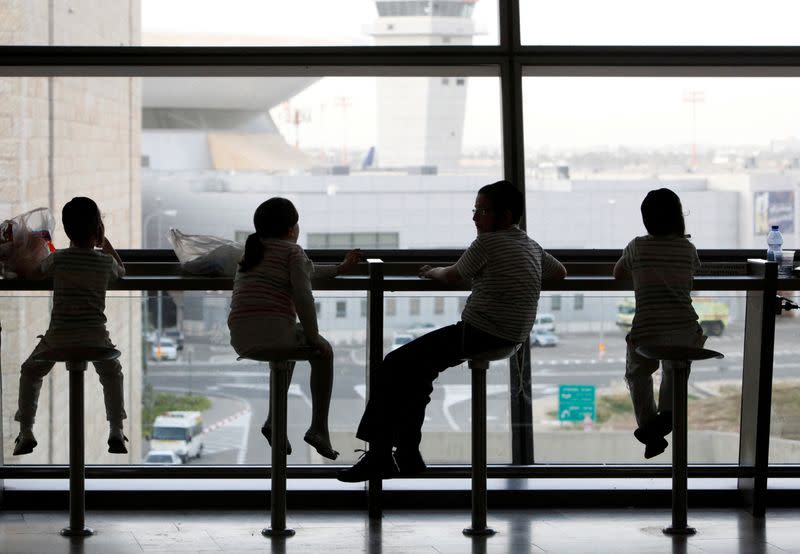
(278, 391)
(479, 364)
(77, 359)
(679, 358)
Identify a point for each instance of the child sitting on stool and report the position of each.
(662, 264)
(81, 276)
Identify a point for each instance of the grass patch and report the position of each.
(156, 403)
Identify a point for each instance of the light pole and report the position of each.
(159, 214)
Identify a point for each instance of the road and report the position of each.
(240, 392)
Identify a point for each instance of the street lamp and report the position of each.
(159, 214)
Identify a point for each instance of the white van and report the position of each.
(544, 323)
(180, 432)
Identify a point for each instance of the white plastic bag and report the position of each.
(205, 254)
(25, 241)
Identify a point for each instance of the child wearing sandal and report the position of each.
(271, 291)
(80, 276)
(661, 264)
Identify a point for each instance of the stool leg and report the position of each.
(278, 391)
(680, 471)
(77, 484)
(478, 527)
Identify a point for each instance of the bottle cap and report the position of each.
(775, 227)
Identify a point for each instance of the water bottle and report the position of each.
(774, 245)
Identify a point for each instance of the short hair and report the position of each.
(504, 196)
(662, 213)
(80, 217)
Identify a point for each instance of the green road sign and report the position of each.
(575, 402)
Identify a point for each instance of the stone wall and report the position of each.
(62, 137)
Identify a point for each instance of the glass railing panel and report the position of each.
(446, 433)
(582, 410)
(784, 444)
(26, 315)
(183, 364)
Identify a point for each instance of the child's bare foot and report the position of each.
(24, 443)
(321, 443)
(266, 430)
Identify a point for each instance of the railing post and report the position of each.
(759, 346)
(374, 361)
(521, 394)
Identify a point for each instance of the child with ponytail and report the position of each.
(271, 291)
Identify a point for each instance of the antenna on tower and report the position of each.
(694, 97)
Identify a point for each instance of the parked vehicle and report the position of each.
(400, 339)
(545, 322)
(176, 335)
(544, 338)
(712, 315)
(420, 329)
(165, 349)
(179, 432)
(161, 457)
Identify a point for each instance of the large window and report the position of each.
(385, 148)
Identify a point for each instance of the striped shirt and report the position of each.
(80, 279)
(662, 270)
(506, 270)
(278, 288)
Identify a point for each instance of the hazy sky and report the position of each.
(560, 112)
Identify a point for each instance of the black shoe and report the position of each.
(24, 445)
(409, 462)
(116, 445)
(654, 429)
(371, 465)
(655, 447)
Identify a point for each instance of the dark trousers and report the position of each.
(397, 398)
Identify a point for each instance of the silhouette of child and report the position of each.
(661, 264)
(80, 276)
(271, 290)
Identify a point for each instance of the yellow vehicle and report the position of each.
(712, 315)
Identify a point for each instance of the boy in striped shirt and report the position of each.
(505, 269)
(80, 276)
(661, 264)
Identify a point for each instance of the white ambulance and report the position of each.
(180, 432)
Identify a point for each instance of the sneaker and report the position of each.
(24, 444)
(409, 462)
(655, 447)
(371, 465)
(116, 444)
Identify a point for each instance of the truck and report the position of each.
(712, 315)
(180, 432)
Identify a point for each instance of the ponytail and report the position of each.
(253, 253)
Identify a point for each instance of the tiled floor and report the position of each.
(578, 531)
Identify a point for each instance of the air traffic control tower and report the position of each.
(421, 119)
